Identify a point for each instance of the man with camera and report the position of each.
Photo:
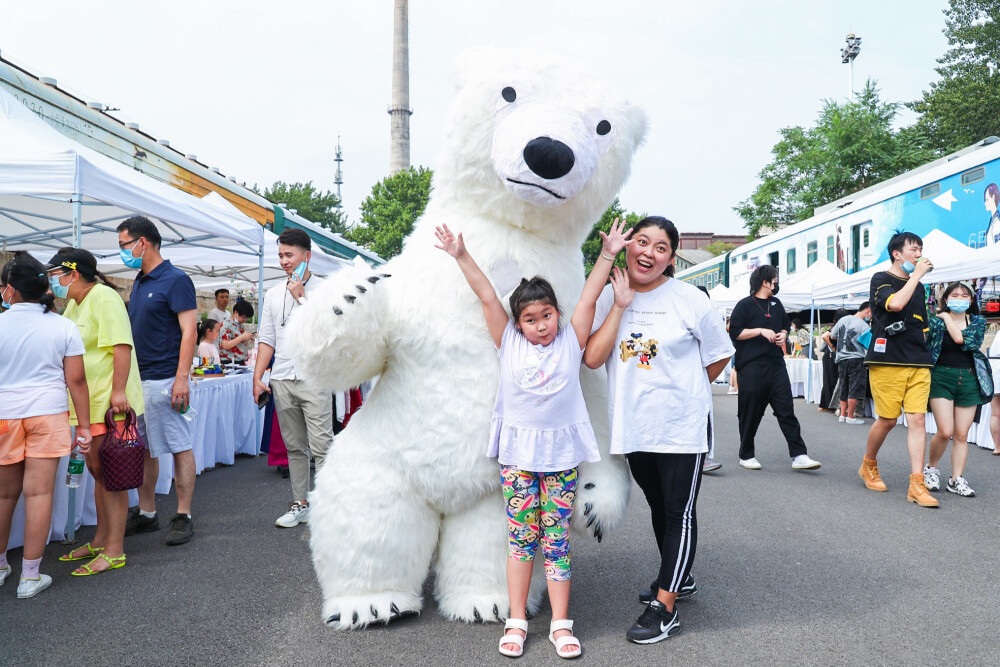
(899, 361)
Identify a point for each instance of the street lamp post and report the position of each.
(848, 54)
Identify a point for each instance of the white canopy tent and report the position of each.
(799, 291)
(55, 192)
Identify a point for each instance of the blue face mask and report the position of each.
(908, 267)
(958, 305)
(3, 301)
(60, 291)
(127, 258)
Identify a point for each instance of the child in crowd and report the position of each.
(208, 332)
(541, 429)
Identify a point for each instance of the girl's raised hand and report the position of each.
(617, 238)
(623, 293)
(451, 244)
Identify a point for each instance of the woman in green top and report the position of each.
(113, 380)
(960, 381)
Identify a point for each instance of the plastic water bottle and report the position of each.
(74, 470)
(188, 413)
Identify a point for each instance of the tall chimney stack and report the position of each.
(399, 110)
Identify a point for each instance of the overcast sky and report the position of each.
(262, 89)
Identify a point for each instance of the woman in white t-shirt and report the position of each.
(41, 354)
(994, 356)
(541, 429)
(208, 333)
(662, 344)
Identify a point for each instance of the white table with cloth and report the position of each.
(798, 376)
(224, 425)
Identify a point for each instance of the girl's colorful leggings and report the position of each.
(540, 505)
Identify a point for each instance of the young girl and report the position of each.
(541, 430)
(955, 337)
(208, 332)
(41, 354)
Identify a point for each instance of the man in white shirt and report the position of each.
(219, 313)
(305, 415)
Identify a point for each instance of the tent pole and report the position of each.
(260, 302)
(812, 346)
(77, 221)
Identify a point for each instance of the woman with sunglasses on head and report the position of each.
(41, 354)
(113, 379)
(957, 385)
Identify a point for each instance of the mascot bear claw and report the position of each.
(536, 150)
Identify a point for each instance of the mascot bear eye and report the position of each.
(602, 128)
(510, 95)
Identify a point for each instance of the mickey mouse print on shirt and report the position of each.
(635, 346)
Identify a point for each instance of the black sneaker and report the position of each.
(137, 523)
(181, 529)
(654, 625)
(688, 590)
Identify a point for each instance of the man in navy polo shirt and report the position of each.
(162, 310)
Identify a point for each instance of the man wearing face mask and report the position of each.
(850, 360)
(162, 311)
(759, 328)
(899, 361)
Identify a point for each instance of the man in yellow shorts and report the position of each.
(899, 361)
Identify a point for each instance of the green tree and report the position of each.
(388, 213)
(963, 107)
(719, 247)
(310, 203)
(851, 147)
(592, 246)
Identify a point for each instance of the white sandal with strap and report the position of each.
(564, 624)
(514, 624)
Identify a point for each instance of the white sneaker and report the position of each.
(960, 486)
(297, 513)
(709, 465)
(841, 419)
(29, 588)
(932, 478)
(803, 462)
(4, 573)
(854, 420)
(750, 464)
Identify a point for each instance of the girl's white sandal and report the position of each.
(514, 624)
(564, 624)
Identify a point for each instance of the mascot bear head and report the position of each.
(537, 142)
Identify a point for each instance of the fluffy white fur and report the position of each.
(409, 479)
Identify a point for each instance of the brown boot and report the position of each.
(869, 474)
(918, 492)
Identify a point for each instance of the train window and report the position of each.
(744, 256)
(829, 249)
(790, 263)
(733, 261)
(973, 176)
(864, 240)
(812, 253)
(930, 191)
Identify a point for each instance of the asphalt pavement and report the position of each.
(793, 568)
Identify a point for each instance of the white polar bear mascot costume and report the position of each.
(536, 150)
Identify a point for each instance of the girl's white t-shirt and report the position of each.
(994, 356)
(540, 420)
(659, 396)
(33, 345)
(209, 350)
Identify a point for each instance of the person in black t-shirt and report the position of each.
(759, 329)
(899, 361)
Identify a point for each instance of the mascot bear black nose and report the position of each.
(549, 158)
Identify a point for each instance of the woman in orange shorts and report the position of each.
(113, 379)
(41, 354)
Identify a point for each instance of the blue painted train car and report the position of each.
(957, 194)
